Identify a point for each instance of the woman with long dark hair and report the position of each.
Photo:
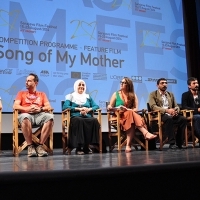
(129, 119)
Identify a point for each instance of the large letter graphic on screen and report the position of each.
(175, 35)
(142, 31)
(107, 6)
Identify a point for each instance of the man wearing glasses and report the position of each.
(191, 100)
(33, 105)
(165, 101)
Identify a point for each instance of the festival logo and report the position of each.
(102, 105)
(99, 76)
(44, 73)
(76, 75)
(172, 81)
(136, 79)
(6, 71)
(24, 72)
(116, 77)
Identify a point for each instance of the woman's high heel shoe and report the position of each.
(149, 136)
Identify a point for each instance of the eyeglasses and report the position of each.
(81, 84)
(122, 82)
(163, 82)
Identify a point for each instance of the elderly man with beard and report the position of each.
(191, 100)
(165, 101)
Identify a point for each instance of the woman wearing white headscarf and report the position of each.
(84, 129)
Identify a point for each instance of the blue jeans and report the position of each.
(197, 125)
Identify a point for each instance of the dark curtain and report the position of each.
(190, 8)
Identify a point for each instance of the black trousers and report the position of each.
(83, 131)
(169, 123)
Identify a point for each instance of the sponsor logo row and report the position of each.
(82, 75)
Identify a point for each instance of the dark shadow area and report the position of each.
(172, 181)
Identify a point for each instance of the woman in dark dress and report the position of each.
(83, 129)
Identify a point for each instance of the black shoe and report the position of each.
(173, 147)
(87, 150)
(182, 147)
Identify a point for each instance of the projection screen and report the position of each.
(99, 41)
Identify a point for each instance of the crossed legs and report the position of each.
(130, 133)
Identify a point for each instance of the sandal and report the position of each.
(149, 136)
(128, 150)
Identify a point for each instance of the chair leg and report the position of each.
(160, 138)
(69, 150)
(15, 142)
(64, 137)
(186, 137)
(64, 143)
(110, 142)
(100, 141)
(193, 137)
(147, 145)
(0, 128)
(51, 142)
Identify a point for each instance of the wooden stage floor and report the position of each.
(107, 173)
(96, 161)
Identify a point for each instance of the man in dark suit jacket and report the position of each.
(165, 102)
(191, 101)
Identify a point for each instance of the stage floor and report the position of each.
(97, 161)
(139, 174)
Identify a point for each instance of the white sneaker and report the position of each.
(32, 151)
(40, 151)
